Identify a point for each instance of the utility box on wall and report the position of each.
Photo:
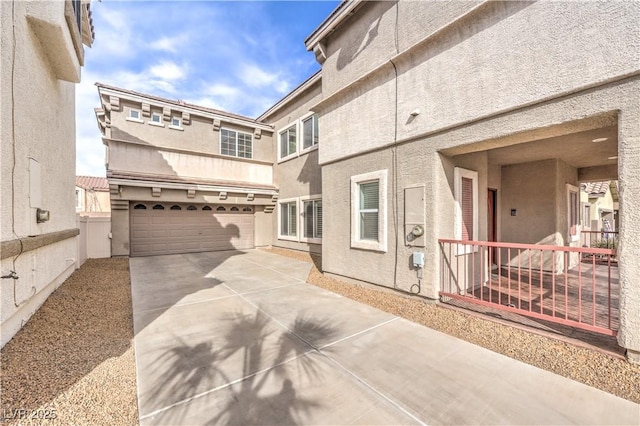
(414, 216)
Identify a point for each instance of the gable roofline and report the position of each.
(317, 76)
(182, 106)
(335, 18)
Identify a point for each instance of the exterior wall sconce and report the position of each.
(42, 215)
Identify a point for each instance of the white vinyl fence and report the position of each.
(94, 241)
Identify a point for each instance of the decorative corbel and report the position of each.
(251, 197)
(223, 195)
(166, 113)
(216, 124)
(321, 53)
(257, 133)
(155, 192)
(114, 101)
(186, 118)
(146, 110)
(191, 193)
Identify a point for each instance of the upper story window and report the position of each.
(134, 115)
(369, 211)
(310, 131)
(236, 144)
(288, 141)
(156, 119)
(176, 123)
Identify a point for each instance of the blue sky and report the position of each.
(238, 56)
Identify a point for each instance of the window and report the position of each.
(192, 208)
(134, 115)
(78, 200)
(310, 132)
(466, 206)
(312, 212)
(235, 209)
(288, 141)
(288, 220)
(156, 119)
(176, 122)
(236, 144)
(158, 207)
(246, 209)
(206, 208)
(176, 207)
(369, 211)
(221, 209)
(572, 212)
(139, 207)
(587, 215)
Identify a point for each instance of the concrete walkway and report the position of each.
(239, 338)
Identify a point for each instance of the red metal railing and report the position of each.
(599, 239)
(574, 286)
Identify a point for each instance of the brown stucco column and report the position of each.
(629, 248)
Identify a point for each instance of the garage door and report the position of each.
(160, 228)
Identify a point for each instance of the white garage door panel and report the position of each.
(168, 231)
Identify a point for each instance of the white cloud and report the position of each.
(170, 44)
(254, 76)
(219, 89)
(168, 70)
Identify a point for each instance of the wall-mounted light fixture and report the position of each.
(42, 215)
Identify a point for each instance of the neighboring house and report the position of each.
(42, 54)
(599, 202)
(92, 196)
(433, 125)
(184, 178)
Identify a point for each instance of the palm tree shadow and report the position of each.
(264, 388)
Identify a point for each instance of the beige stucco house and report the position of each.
(42, 55)
(467, 125)
(92, 196)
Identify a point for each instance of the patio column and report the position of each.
(629, 243)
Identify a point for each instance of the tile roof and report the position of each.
(94, 183)
(179, 103)
(596, 188)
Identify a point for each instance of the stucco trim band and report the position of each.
(22, 245)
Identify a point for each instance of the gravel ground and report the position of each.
(74, 358)
(582, 364)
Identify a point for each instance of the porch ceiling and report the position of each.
(575, 149)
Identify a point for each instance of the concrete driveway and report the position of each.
(240, 338)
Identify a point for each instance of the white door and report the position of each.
(166, 228)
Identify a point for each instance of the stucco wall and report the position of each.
(530, 188)
(147, 159)
(473, 68)
(37, 121)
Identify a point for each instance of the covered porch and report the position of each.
(517, 244)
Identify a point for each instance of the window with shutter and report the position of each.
(467, 209)
(288, 219)
(466, 206)
(369, 206)
(369, 210)
(312, 210)
(573, 202)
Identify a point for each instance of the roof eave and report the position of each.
(343, 11)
